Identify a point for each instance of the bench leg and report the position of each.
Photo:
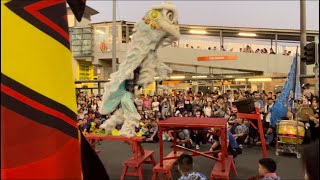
(154, 176)
(233, 167)
(152, 160)
(124, 172)
(169, 175)
(140, 173)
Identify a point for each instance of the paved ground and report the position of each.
(113, 153)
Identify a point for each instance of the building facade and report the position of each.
(216, 59)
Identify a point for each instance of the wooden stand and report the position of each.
(140, 156)
(256, 116)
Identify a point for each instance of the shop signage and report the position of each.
(171, 82)
(214, 58)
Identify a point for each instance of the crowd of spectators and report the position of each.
(188, 104)
(248, 49)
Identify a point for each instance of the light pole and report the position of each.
(114, 35)
(303, 37)
(316, 67)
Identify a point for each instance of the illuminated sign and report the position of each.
(215, 58)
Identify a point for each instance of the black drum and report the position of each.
(245, 105)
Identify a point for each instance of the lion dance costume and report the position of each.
(39, 134)
(159, 27)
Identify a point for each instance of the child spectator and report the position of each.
(185, 167)
(267, 169)
(241, 131)
(152, 132)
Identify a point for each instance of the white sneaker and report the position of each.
(191, 141)
(197, 147)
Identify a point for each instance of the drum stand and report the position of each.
(285, 147)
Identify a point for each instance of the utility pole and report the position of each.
(316, 67)
(303, 38)
(114, 35)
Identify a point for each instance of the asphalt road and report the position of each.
(114, 153)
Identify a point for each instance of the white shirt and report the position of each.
(268, 116)
(207, 111)
(155, 106)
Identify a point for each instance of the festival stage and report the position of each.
(114, 153)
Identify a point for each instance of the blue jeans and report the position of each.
(232, 142)
(268, 137)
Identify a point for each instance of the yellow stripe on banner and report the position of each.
(36, 60)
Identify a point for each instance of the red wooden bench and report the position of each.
(167, 165)
(140, 156)
(136, 163)
(217, 172)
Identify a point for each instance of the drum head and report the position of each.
(304, 113)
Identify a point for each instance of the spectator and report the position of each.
(155, 104)
(175, 44)
(285, 52)
(220, 108)
(265, 51)
(310, 158)
(187, 45)
(139, 103)
(241, 131)
(152, 132)
(172, 105)
(267, 169)
(271, 51)
(185, 167)
(165, 110)
(215, 48)
(208, 109)
(289, 53)
(180, 104)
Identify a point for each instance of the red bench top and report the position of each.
(193, 122)
(116, 138)
(137, 162)
(168, 164)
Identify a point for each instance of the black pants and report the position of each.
(241, 139)
(253, 133)
(315, 131)
(197, 136)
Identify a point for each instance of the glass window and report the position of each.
(86, 36)
(86, 48)
(86, 42)
(76, 48)
(100, 34)
(77, 31)
(81, 41)
(87, 30)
